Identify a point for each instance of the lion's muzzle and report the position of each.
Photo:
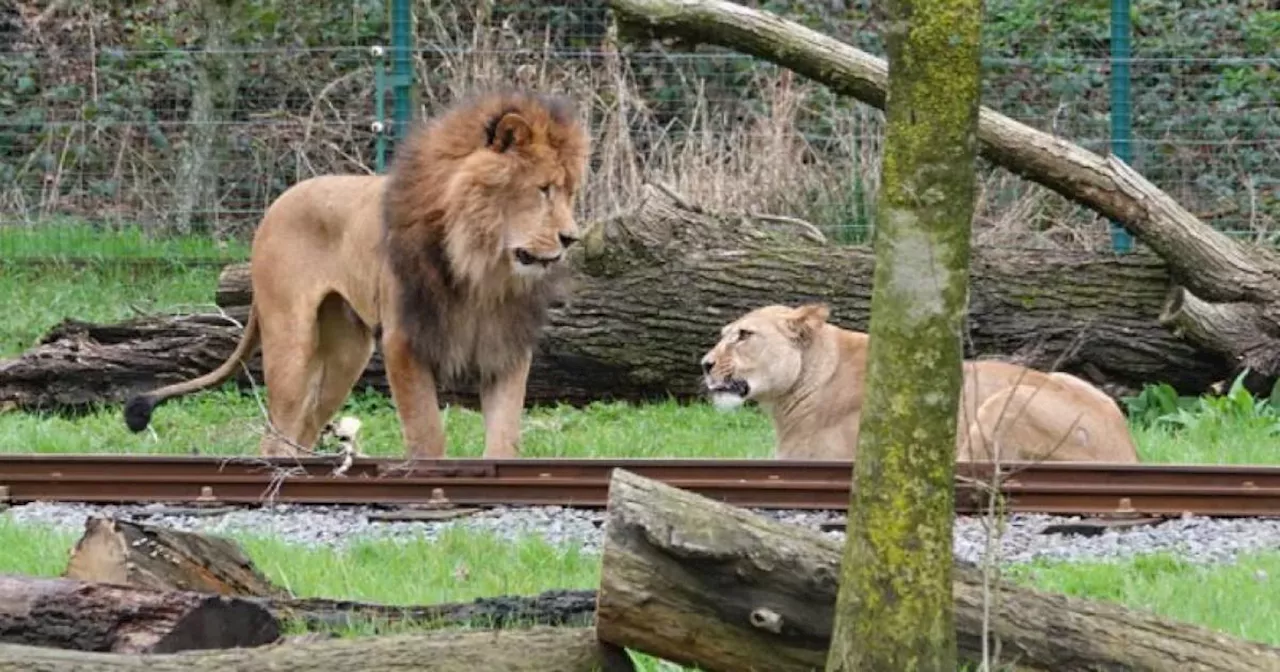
(722, 384)
(726, 391)
(527, 258)
(735, 386)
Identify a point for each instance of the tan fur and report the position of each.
(809, 375)
(454, 257)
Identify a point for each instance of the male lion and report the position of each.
(809, 374)
(454, 257)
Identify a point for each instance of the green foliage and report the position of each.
(1209, 416)
(108, 122)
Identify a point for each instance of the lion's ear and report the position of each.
(806, 319)
(512, 130)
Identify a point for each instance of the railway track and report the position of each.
(1071, 488)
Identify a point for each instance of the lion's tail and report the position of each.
(137, 412)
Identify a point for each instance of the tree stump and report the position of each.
(147, 556)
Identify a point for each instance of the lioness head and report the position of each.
(760, 356)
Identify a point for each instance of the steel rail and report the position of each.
(1057, 488)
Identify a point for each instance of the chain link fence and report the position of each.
(164, 129)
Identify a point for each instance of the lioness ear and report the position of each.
(512, 130)
(806, 319)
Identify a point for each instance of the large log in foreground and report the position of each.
(702, 583)
(1243, 281)
(531, 650)
(68, 614)
(655, 285)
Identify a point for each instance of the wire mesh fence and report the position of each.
(164, 129)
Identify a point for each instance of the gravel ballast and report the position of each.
(1194, 539)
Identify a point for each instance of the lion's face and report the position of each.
(529, 173)
(760, 355)
(541, 225)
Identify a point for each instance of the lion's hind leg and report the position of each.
(309, 366)
(1030, 423)
(345, 346)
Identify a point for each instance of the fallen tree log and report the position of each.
(125, 552)
(653, 289)
(68, 614)
(531, 650)
(1212, 266)
(136, 554)
(706, 584)
(78, 365)
(572, 608)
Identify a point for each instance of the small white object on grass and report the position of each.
(347, 428)
(345, 431)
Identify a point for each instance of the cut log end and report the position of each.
(149, 556)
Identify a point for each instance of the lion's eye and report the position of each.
(546, 190)
(744, 334)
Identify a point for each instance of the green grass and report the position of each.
(1238, 598)
(66, 268)
(67, 238)
(462, 565)
(38, 297)
(459, 565)
(226, 422)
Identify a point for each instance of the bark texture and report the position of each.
(1206, 262)
(531, 650)
(148, 556)
(705, 584)
(894, 607)
(554, 607)
(67, 614)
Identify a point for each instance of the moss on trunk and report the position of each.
(894, 609)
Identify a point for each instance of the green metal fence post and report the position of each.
(379, 54)
(1121, 240)
(401, 65)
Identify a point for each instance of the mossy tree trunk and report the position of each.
(894, 607)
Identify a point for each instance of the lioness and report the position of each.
(454, 257)
(809, 375)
